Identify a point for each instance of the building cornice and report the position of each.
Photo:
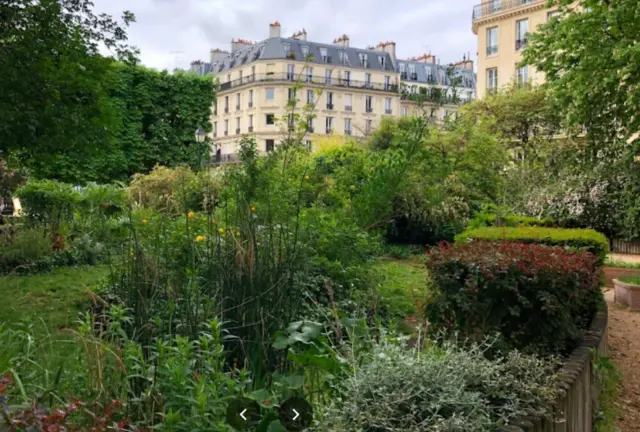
(508, 13)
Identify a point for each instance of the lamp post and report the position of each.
(201, 136)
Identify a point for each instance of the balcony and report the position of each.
(226, 133)
(414, 77)
(319, 80)
(329, 106)
(310, 129)
(492, 50)
(238, 107)
(250, 129)
(387, 111)
(328, 130)
(369, 109)
(250, 104)
(227, 158)
(520, 44)
(238, 131)
(347, 131)
(403, 75)
(226, 110)
(492, 7)
(348, 108)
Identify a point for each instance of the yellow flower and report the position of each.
(131, 254)
(220, 230)
(190, 214)
(253, 209)
(200, 238)
(237, 233)
(306, 177)
(144, 221)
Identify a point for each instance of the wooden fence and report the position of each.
(575, 411)
(626, 247)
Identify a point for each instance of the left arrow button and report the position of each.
(243, 414)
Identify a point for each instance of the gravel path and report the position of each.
(624, 345)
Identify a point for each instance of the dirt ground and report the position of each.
(631, 259)
(624, 345)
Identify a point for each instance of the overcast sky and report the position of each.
(172, 33)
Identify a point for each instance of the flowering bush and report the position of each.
(537, 297)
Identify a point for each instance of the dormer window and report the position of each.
(287, 48)
(364, 60)
(381, 60)
(344, 59)
(323, 53)
(305, 51)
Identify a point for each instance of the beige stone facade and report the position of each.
(502, 27)
(352, 89)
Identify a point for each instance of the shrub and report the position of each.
(537, 297)
(447, 388)
(24, 251)
(491, 219)
(588, 239)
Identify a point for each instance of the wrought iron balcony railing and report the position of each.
(491, 7)
(320, 80)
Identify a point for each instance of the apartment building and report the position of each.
(351, 88)
(502, 27)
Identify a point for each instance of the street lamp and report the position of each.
(201, 136)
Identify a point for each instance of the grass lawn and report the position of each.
(53, 298)
(403, 287)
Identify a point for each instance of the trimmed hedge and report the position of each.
(588, 239)
(490, 220)
(537, 297)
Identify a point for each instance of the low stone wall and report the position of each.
(575, 411)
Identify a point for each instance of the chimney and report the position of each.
(427, 58)
(388, 47)
(240, 43)
(466, 63)
(301, 35)
(274, 29)
(217, 54)
(342, 40)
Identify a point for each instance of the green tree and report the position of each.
(51, 92)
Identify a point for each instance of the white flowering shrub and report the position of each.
(441, 388)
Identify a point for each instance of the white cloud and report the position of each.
(179, 31)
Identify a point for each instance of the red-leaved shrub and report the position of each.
(538, 298)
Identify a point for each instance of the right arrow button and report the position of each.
(295, 414)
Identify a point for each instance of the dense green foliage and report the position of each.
(587, 239)
(539, 298)
(630, 279)
(490, 219)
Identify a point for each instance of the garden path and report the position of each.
(624, 345)
(627, 258)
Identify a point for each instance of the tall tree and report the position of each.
(51, 92)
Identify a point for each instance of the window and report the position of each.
(287, 48)
(237, 125)
(308, 144)
(364, 59)
(347, 126)
(250, 98)
(405, 111)
(271, 119)
(310, 124)
(522, 28)
(344, 59)
(387, 83)
(327, 76)
(238, 102)
(494, 6)
(522, 74)
(367, 80)
(492, 79)
(552, 14)
(251, 123)
(381, 59)
(253, 73)
(368, 126)
(269, 144)
(430, 75)
(229, 78)
(240, 72)
(368, 103)
(270, 92)
(387, 106)
(347, 77)
(226, 104)
(291, 72)
(329, 124)
(292, 94)
(226, 127)
(403, 71)
(305, 51)
(412, 72)
(309, 96)
(347, 102)
(291, 122)
(215, 128)
(325, 56)
(492, 41)
(329, 100)
(309, 74)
